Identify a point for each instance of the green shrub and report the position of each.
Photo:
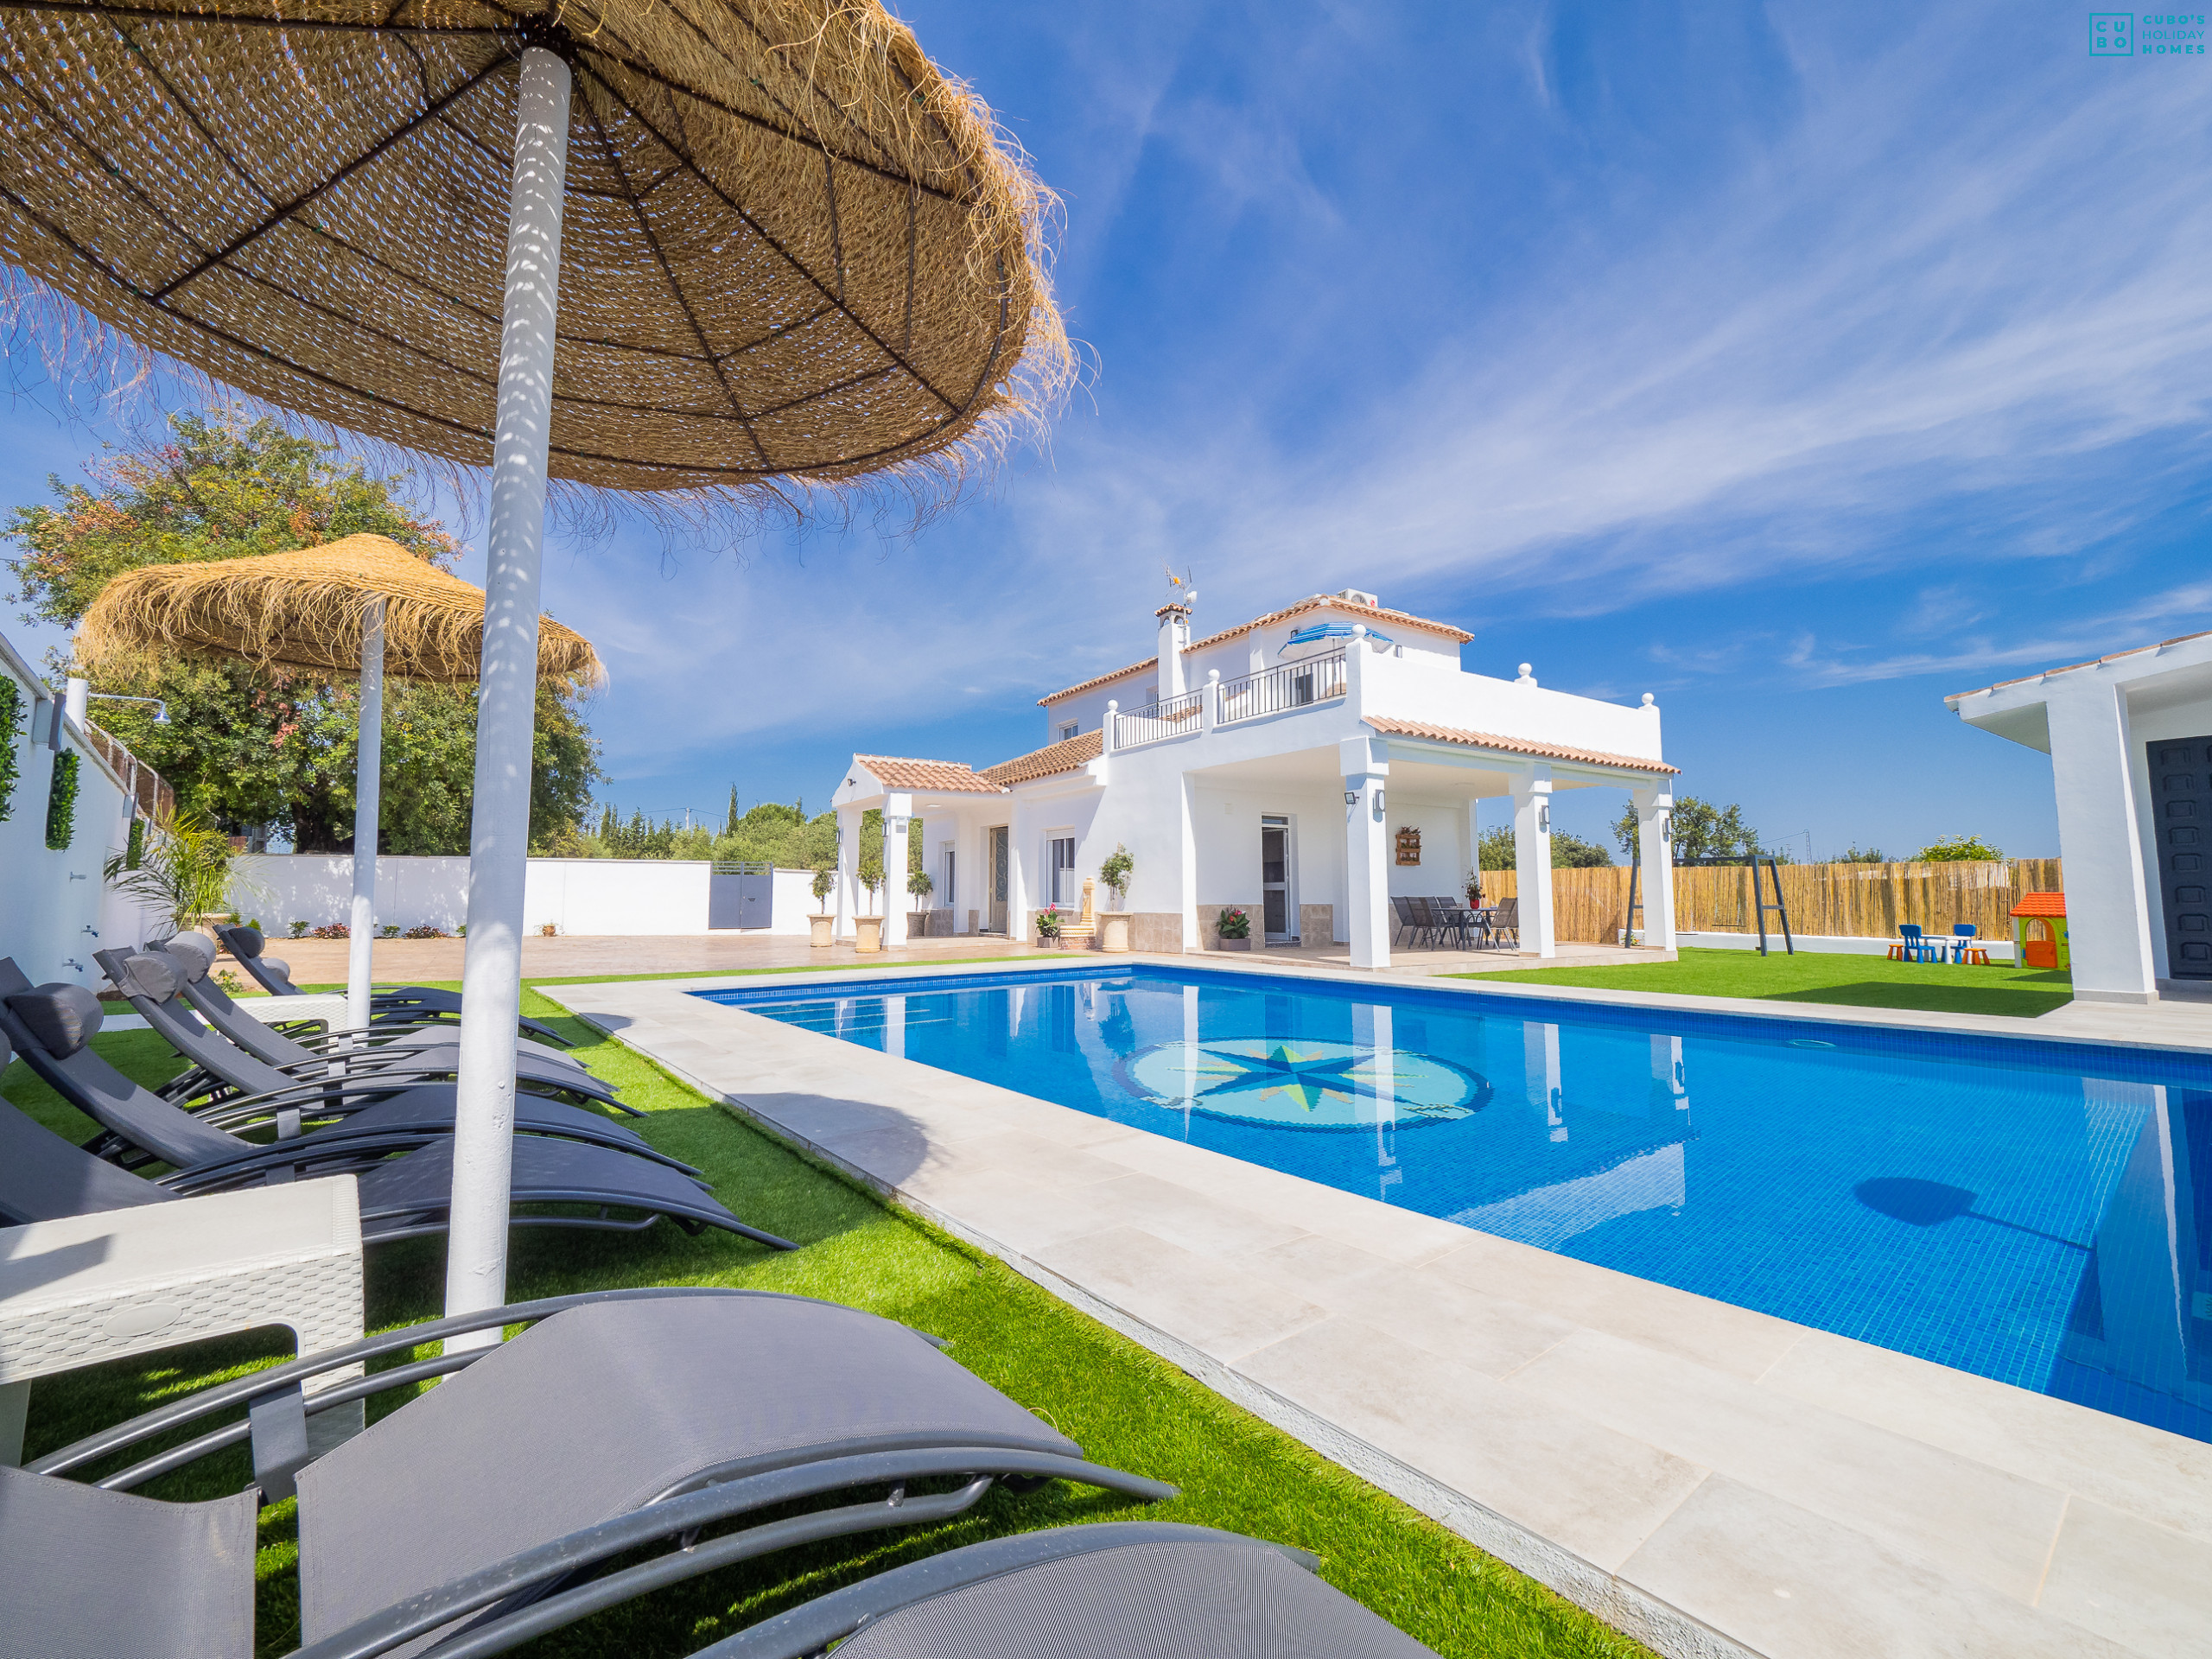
(1957, 849)
(12, 715)
(61, 803)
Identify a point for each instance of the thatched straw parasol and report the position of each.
(690, 245)
(360, 606)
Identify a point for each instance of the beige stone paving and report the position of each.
(1712, 1479)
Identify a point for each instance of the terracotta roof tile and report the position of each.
(1957, 697)
(1361, 612)
(1391, 726)
(936, 776)
(1068, 755)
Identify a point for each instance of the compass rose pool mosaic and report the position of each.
(2036, 1212)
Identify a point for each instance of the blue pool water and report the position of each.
(2037, 1213)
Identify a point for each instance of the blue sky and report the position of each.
(1795, 363)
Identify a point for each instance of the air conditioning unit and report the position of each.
(1353, 596)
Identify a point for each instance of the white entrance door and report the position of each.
(1275, 918)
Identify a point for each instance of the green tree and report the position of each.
(1855, 853)
(1702, 832)
(258, 754)
(1957, 849)
(1495, 850)
(729, 825)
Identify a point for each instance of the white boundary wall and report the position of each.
(54, 911)
(574, 895)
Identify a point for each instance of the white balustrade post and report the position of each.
(1109, 736)
(368, 782)
(1210, 707)
(506, 702)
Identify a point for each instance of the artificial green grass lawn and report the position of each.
(1855, 981)
(1126, 1407)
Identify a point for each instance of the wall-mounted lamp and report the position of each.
(161, 708)
(1351, 797)
(1543, 818)
(1379, 806)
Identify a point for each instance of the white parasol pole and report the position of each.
(368, 777)
(506, 703)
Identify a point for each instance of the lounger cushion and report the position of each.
(276, 965)
(244, 942)
(155, 975)
(91, 1574)
(194, 953)
(61, 1018)
(1201, 1600)
(600, 1409)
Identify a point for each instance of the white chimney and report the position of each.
(1174, 639)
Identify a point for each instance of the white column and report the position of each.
(1017, 880)
(76, 698)
(849, 869)
(368, 782)
(2107, 899)
(1532, 850)
(898, 815)
(506, 702)
(1186, 864)
(1367, 872)
(1475, 836)
(1655, 846)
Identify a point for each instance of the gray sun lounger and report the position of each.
(220, 1068)
(54, 1027)
(405, 1172)
(196, 955)
(394, 1003)
(1111, 1591)
(460, 1515)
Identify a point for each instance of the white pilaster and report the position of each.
(1475, 838)
(1367, 871)
(1017, 880)
(849, 869)
(1186, 865)
(2107, 902)
(898, 815)
(1532, 850)
(1655, 842)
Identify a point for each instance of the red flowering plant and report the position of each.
(1048, 922)
(1234, 925)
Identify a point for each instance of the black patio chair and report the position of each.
(399, 1004)
(562, 1154)
(220, 1070)
(462, 1515)
(1107, 1590)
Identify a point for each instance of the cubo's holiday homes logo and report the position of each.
(2146, 34)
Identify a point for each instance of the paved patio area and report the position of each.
(1711, 1480)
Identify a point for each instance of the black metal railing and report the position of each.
(1155, 721)
(1289, 685)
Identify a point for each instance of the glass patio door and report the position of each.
(996, 923)
(1275, 879)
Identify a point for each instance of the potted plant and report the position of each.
(1114, 925)
(868, 930)
(1048, 924)
(918, 887)
(1235, 928)
(822, 925)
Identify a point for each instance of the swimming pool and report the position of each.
(2039, 1213)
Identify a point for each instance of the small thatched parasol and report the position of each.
(310, 609)
(360, 606)
(793, 249)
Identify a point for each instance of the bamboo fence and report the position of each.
(1859, 900)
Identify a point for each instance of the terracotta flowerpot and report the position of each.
(870, 929)
(1114, 933)
(822, 930)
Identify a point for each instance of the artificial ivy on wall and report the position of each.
(11, 713)
(61, 803)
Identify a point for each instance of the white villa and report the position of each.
(1305, 766)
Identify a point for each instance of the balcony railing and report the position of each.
(1276, 690)
(1156, 722)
